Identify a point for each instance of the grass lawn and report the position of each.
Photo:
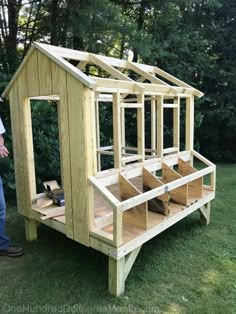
(186, 269)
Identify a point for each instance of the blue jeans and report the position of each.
(4, 240)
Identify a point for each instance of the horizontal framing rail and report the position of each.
(108, 177)
(125, 249)
(165, 188)
(144, 197)
(112, 66)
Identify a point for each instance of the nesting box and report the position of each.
(149, 186)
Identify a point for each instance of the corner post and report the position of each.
(160, 125)
(153, 124)
(205, 212)
(116, 276)
(189, 128)
(117, 130)
(30, 229)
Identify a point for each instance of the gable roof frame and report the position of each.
(110, 65)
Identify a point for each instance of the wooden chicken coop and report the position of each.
(148, 189)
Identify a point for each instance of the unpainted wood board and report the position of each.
(59, 85)
(189, 127)
(17, 150)
(90, 148)
(131, 232)
(33, 75)
(160, 125)
(78, 156)
(116, 276)
(159, 204)
(195, 187)
(153, 124)
(176, 122)
(54, 213)
(61, 219)
(45, 74)
(137, 215)
(116, 130)
(141, 127)
(180, 194)
(26, 140)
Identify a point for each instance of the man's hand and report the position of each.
(3, 151)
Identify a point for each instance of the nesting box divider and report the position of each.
(159, 204)
(195, 187)
(180, 194)
(138, 215)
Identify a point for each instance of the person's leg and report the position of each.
(4, 240)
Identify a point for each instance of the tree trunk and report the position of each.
(14, 7)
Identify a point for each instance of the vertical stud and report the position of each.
(141, 126)
(117, 130)
(122, 117)
(176, 123)
(97, 134)
(160, 125)
(189, 130)
(153, 124)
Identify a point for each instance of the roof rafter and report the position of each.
(113, 67)
(111, 70)
(86, 80)
(145, 74)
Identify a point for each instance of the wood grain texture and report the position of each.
(26, 140)
(30, 229)
(176, 123)
(160, 125)
(137, 215)
(141, 127)
(180, 194)
(81, 148)
(195, 188)
(189, 127)
(117, 130)
(116, 276)
(153, 124)
(33, 75)
(90, 149)
(45, 74)
(159, 204)
(59, 86)
(17, 150)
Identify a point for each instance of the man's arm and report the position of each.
(3, 150)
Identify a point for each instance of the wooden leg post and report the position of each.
(30, 229)
(205, 212)
(119, 271)
(116, 276)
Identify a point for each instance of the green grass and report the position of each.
(187, 269)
